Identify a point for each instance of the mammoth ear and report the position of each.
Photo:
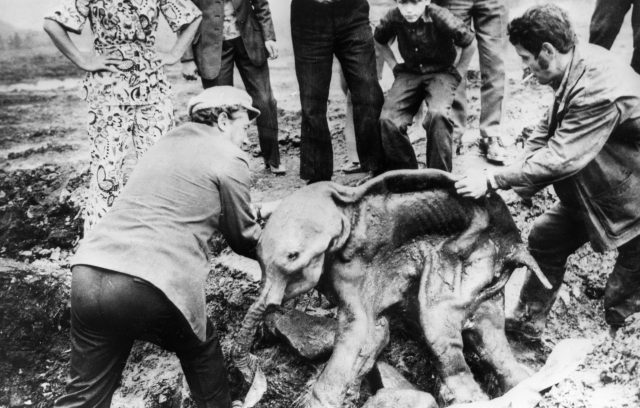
(342, 232)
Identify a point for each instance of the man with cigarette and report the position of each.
(588, 148)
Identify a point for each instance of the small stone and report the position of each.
(55, 254)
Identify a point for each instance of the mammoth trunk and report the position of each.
(241, 356)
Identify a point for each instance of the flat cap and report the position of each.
(219, 96)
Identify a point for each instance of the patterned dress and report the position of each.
(132, 106)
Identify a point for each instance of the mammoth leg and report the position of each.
(377, 339)
(486, 335)
(349, 354)
(442, 325)
(443, 310)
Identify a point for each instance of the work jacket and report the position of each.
(188, 185)
(588, 147)
(253, 18)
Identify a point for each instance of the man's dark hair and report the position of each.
(210, 116)
(544, 23)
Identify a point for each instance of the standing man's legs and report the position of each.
(258, 85)
(635, 24)
(606, 21)
(401, 104)
(440, 91)
(556, 234)
(312, 37)
(355, 50)
(489, 18)
(490, 23)
(225, 77)
(349, 131)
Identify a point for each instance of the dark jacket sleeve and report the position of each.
(237, 222)
(384, 31)
(188, 54)
(446, 22)
(263, 15)
(584, 130)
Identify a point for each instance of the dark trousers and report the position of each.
(606, 22)
(402, 102)
(258, 85)
(109, 311)
(320, 31)
(557, 234)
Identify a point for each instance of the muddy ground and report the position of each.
(43, 172)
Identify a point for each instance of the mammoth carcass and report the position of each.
(404, 234)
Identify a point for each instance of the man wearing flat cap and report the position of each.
(140, 273)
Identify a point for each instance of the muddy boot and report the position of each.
(529, 318)
(621, 296)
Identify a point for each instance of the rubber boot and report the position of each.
(529, 317)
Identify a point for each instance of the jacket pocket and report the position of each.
(619, 207)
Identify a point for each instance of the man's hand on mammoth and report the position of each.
(473, 184)
(272, 49)
(189, 70)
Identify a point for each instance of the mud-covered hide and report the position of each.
(403, 235)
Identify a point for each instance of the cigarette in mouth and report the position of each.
(528, 77)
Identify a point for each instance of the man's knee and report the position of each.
(437, 115)
(390, 122)
(369, 97)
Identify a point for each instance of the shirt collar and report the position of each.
(565, 77)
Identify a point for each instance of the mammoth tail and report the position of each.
(518, 258)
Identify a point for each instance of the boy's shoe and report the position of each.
(278, 171)
(351, 168)
(494, 150)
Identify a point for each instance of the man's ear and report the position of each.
(223, 121)
(548, 50)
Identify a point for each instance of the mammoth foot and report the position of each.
(461, 388)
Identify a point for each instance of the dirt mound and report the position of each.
(34, 342)
(39, 211)
(610, 377)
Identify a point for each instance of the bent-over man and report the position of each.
(140, 273)
(588, 148)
